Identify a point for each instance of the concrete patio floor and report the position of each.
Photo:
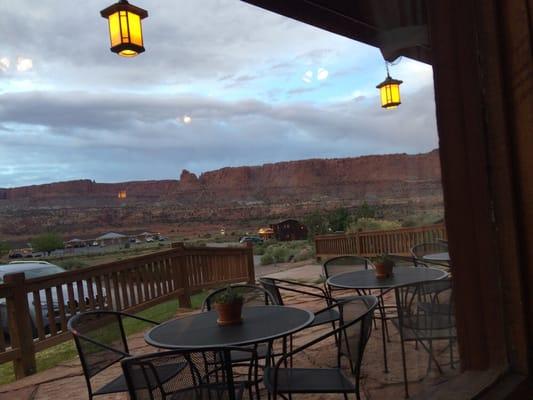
(66, 381)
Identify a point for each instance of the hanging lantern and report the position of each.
(389, 90)
(125, 30)
(122, 194)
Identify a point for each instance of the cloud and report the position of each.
(24, 64)
(70, 109)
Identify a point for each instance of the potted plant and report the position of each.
(229, 307)
(383, 266)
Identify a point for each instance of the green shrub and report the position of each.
(372, 224)
(72, 263)
(267, 259)
(280, 254)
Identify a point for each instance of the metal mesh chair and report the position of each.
(276, 286)
(252, 296)
(101, 342)
(207, 374)
(403, 261)
(420, 250)
(425, 315)
(353, 334)
(340, 265)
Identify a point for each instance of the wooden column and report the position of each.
(179, 264)
(250, 263)
(20, 326)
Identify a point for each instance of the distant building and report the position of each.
(112, 238)
(289, 229)
(266, 233)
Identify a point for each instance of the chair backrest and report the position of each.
(269, 284)
(252, 296)
(100, 340)
(200, 374)
(342, 264)
(421, 304)
(403, 261)
(422, 249)
(356, 322)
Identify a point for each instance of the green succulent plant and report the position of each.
(229, 296)
(384, 259)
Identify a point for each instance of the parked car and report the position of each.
(251, 239)
(149, 239)
(38, 269)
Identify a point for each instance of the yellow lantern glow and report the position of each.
(125, 29)
(122, 194)
(389, 90)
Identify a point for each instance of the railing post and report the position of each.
(250, 262)
(182, 278)
(20, 326)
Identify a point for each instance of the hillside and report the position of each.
(224, 196)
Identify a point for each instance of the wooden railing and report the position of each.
(34, 312)
(373, 243)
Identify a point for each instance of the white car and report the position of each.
(37, 269)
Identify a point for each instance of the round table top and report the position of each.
(260, 324)
(444, 256)
(366, 279)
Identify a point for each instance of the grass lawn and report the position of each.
(54, 356)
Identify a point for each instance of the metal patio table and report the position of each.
(438, 257)
(260, 324)
(367, 280)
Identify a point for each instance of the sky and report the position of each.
(221, 83)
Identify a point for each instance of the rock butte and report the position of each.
(223, 196)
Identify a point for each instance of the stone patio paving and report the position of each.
(66, 381)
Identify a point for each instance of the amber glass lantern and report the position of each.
(122, 194)
(389, 91)
(125, 30)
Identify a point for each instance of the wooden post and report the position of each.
(250, 262)
(179, 264)
(20, 327)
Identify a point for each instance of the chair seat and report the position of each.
(164, 372)
(308, 380)
(331, 315)
(422, 331)
(435, 308)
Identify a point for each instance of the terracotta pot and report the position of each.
(229, 314)
(384, 269)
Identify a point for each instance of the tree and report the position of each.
(365, 211)
(47, 242)
(338, 219)
(4, 248)
(317, 224)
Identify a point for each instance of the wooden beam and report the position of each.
(355, 20)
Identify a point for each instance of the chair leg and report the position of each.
(452, 366)
(404, 365)
(383, 339)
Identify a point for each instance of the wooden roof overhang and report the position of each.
(396, 27)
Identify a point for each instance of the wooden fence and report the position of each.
(34, 312)
(373, 243)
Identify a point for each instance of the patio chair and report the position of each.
(325, 315)
(404, 261)
(207, 374)
(101, 342)
(420, 250)
(341, 265)
(353, 334)
(252, 296)
(425, 315)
